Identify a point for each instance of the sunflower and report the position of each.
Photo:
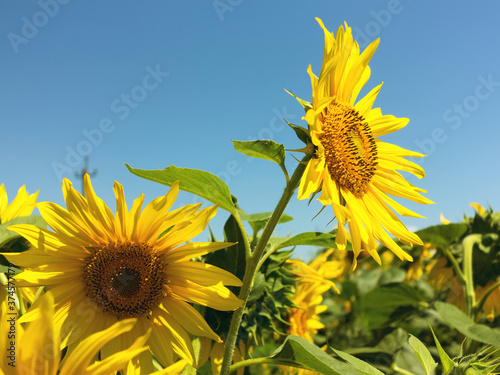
(22, 205)
(314, 280)
(103, 268)
(352, 168)
(35, 349)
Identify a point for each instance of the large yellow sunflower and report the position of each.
(351, 167)
(102, 268)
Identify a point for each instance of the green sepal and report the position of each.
(302, 133)
(305, 104)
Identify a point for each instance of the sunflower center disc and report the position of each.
(125, 279)
(350, 149)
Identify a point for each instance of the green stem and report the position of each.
(456, 267)
(470, 294)
(479, 304)
(253, 262)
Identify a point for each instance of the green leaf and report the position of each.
(262, 149)
(201, 183)
(386, 303)
(7, 235)
(9, 270)
(358, 364)
(300, 351)
(423, 355)
(231, 259)
(264, 216)
(446, 361)
(310, 239)
(259, 285)
(442, 235)
(465, 325)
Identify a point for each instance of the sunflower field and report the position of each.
(89, 290)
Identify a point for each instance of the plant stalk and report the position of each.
(253, 262)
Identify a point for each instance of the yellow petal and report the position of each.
(151, 222)
(47, 241)
(190, 319)
(384, 124)
(217, 296)
(365, 104)
(198, 223)
(191, 250)
(81, 356)
(200, 273)
(311, 179)
(479, 209)
(99, 210)
(59, 220)
(39, 349)
(179, 339)
(444, 221)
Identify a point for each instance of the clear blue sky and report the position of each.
(172, 82)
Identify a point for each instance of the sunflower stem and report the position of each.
(253, 263)
(478, 306)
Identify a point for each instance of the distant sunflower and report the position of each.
(351, 167)
(102, 268)
(314, 280)
(22, 205)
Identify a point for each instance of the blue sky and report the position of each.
(158, 83)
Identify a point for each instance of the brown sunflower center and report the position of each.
(126, 279)
(350, 149)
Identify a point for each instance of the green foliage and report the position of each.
(423, 355)
(203, 184)
(11, 242)
(388, 304)
(442, 235)
(465, 325)
(308, 239)
(7, 236)
(270, 301)
(300, 352)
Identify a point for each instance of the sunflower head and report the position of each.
(135, 263)
(352, 169)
